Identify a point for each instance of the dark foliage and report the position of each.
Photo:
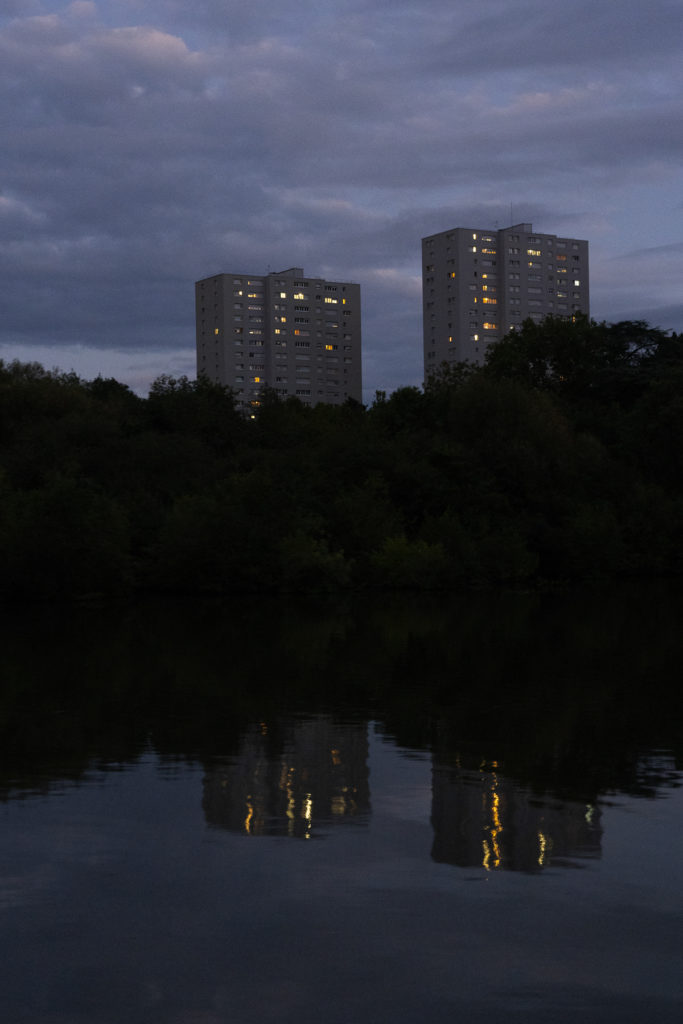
(560, 459)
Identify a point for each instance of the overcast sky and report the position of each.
(148, 143)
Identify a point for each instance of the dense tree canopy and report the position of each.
(561, 458)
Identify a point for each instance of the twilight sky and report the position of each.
(147, 143)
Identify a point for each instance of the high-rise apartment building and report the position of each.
(477, 285)
(300, 336)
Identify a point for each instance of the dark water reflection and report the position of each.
(566, 693)
(318, 777)
(274, 811)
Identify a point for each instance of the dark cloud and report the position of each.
(148, 144)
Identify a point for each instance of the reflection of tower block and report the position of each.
(484, 819)
(319, 777)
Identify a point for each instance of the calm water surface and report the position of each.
(380, 812)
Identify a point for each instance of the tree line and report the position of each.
(559, 459)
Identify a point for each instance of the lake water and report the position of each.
(398, 809)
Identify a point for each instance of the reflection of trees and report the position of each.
(482, 818)
(567, 691)
(314, 774)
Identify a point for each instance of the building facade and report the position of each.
(300, 336)
(477, 285)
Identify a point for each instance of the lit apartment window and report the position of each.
(490, 327)
(533, 252)
(488, 299)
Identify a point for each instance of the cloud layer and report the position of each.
(147, 144)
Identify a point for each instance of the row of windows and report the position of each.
(531, 240)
